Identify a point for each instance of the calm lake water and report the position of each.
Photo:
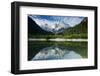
(50, 50)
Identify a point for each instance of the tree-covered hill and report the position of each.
(34, 29)
(80, 30)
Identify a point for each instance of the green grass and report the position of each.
(70, 36)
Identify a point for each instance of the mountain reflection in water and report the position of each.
(56, 52)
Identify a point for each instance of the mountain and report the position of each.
(66, 25)
(35, 29)
(54, 26)
(79, 29)
(46, 29)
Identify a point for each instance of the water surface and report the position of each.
(51, 50)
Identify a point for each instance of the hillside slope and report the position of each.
(34, 29)
(80, 30)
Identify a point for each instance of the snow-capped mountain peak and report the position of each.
(52, 26)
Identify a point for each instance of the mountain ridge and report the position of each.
(34, 29)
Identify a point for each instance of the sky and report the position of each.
(51, 20)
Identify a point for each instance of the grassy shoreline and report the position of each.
(76, 36)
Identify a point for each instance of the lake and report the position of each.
(56, 50)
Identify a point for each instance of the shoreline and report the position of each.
(58, 39)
